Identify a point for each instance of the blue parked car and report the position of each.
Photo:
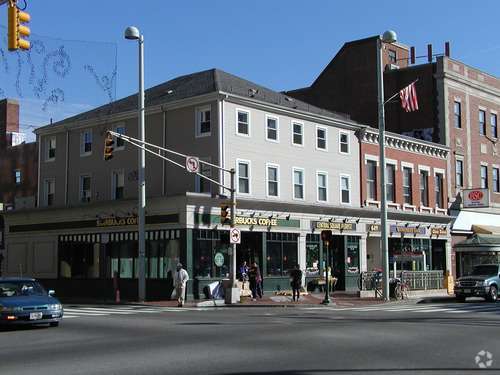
(25, 301)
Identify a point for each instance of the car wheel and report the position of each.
(460, 298)
(492, 294)
(54, 324)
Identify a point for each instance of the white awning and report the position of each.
(466, 219)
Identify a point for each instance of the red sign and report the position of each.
(476, 195)
(476, 198)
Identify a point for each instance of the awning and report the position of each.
(486, 229)
(480, 243)
(466, 219)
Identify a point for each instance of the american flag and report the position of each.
(408, 96)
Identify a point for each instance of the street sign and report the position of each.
(219, 259)
(192, 164)
(235, 235)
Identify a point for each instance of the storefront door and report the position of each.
(250, 249)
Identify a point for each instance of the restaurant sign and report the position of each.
(439, 232)
(116, 221)
(333, 225)
(407, 230)
(373, 227)
(261, 221)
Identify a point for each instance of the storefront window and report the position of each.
(207, 245)
(312, 254)
(79, 260)
(352, 259)
(281, 253)
(408, 253)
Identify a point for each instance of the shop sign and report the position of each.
(407, 230)
(373, 227)
(261, 221)
(438, 232)
(474, 198)
(116, 221)
(333, 225)
(219, 259)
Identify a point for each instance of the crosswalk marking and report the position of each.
(72, 312)
(414, 308)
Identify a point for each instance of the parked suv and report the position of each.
(484, 281)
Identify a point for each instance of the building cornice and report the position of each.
(406, 144)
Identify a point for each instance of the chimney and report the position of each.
(447, 49)
(9, 120)
(412, 55)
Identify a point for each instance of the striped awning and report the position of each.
(163, 234)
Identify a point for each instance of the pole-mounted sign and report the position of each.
(192, 164)
(235, 235)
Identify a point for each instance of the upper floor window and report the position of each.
(50, 191)
(202, 185)
(119, 143)
(297, 137)
(345, 189)
(322, 181)
(459, 173)
(17, 176)
(272, 129)
(457, 114)
(243, 177)
(344, 142)
(243, 125)
(390, 188)
(203, 127)
(118, 184)
(86, 142)
(496, 180)
(494, 128)
(298, 183)
(424, 188)
(371, 180)
(50, 149)
(85, 188)
(407, 185)
(272, 180)
(392, 56)
(484, 177)
(482, 122)
(321, 138)
(438, 188)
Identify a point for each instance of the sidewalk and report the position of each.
(272, 300)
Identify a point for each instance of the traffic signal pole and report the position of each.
(233, 290)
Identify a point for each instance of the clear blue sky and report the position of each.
(279, 44)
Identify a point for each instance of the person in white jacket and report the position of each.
(180, 280)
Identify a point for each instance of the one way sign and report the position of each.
(235, 235)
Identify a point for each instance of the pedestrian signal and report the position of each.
(17, 29)
(108, 146)
(224, 214)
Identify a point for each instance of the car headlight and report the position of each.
(55, 306)
(480, 283)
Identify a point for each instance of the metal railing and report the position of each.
(416, 280)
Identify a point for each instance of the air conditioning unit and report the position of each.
(391, 67)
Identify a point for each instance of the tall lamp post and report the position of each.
(388, 37)
(133, 33)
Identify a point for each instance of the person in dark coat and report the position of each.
(255, 280)
(296, 282)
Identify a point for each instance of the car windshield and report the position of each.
(20, 288)
(485, 270)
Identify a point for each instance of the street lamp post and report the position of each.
(388, 37)
(132, 33)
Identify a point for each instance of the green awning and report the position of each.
(480, 242)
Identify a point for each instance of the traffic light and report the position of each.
(224, 214)
(326, 235)
(17, 28)
(108, 146)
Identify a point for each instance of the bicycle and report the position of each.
(401, 291)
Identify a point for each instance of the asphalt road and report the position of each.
(391, 339)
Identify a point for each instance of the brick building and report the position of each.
(458, 107)
(18, 165)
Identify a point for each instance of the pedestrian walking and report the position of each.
(244, 272)
(296, 282)
(180, 280)
(255, 280)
